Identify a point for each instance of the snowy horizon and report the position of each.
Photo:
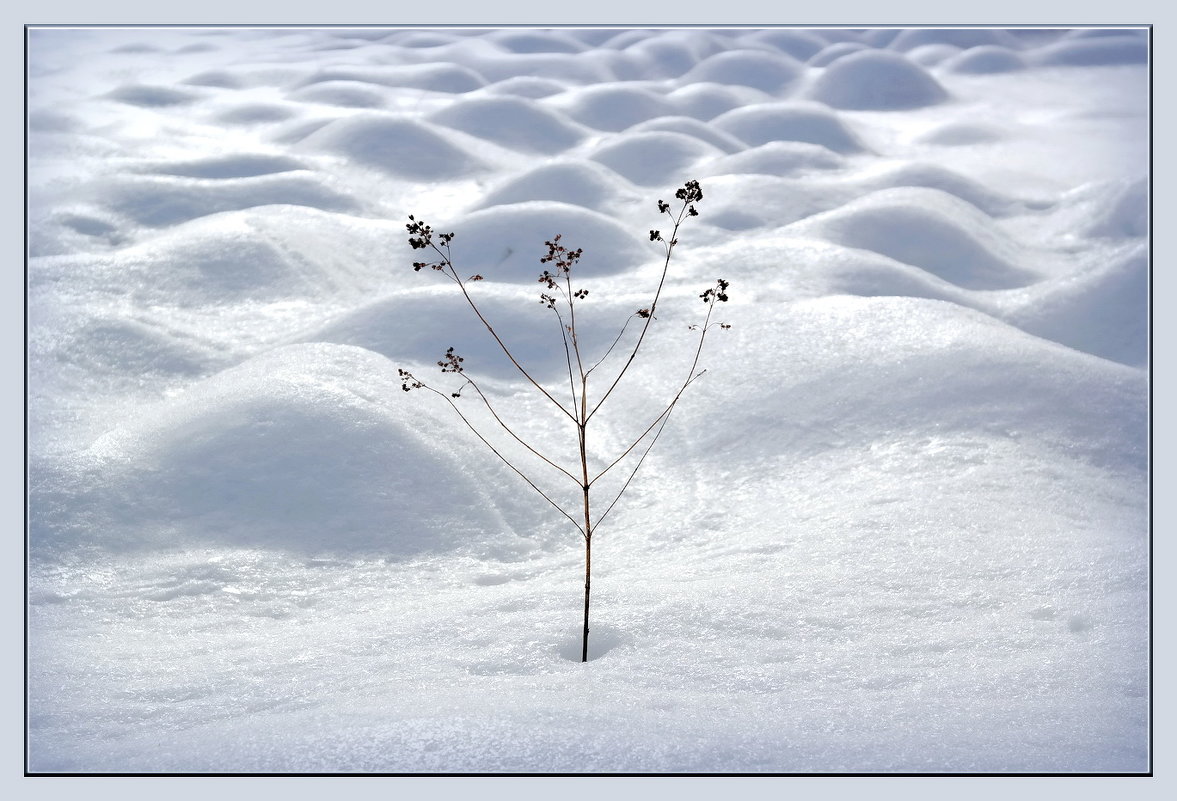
(900, 525)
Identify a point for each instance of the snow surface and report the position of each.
(900, 525)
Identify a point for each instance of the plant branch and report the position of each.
(504, 459)
(567, 352)
(665, 413)
(569, 295)
(654, 235)
(611, 347)
(710, 297)
(453, 275)
(511, 431)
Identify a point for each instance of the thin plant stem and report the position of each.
(653, 306)
(567, 355)
(504, 459)
(665, 413)
(453, 274)
(664, 417)
(511, 431)
(617, 339)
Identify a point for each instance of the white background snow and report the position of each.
(901, 524)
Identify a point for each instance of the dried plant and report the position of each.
(561, 296)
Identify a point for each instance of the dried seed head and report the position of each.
(691, 192)
(452, 363)
(408, 380)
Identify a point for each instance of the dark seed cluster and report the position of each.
(562, 256)
(452, 363)
(691, 192)
(408, 381)
(717, 292)
(563, 259)
(421, 237)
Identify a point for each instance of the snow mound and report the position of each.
(574, 68)
(256, 112)
(772, 122)
(617, 40)
(235, 165)
(741, 200)
(768, 72)
(399, 146)
(513, 122)
(75, 230)
(935, 176)
(851, 271)
(801, 45)
(984, 60)
(691, 127)
(217, 79)
(526, 86)
(1104, 33)
(1090, 52)
(132, 347)
(964, 38)
(1124, 214)
(614, 107)
(163, 201)
(667, 55)
(347, 94)
(790, 268)
(958, 134)
(418, 326)
(706, 101)
(149, 96)
(243, 257)
(930, 229)
(1096, 311)
(877, 37)
(775, 158)
(931, 55)
(920, 366)
(53, 121)
(424, 39)
(828, 55)
(732, 218)
(440, 77)
(514, 41)
(877, 81)
(505, 243)
(654, 159)
(579, 183)
(304, 448)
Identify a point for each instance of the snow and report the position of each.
(874, 79)
(901, 525)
